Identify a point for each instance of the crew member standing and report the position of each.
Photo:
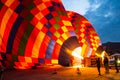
(98, 62)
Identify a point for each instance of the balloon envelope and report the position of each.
(36, 32)
(86, 34)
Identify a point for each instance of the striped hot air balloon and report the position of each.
(86, 34)
(38, 32)
(32, 32)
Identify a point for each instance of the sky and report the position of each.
(104, 15)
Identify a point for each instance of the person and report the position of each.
(106, 64)
(116, 67)
(98, 65)
(78, 71)
(71, 60)
(1, 71)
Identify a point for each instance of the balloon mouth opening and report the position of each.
(77, 58)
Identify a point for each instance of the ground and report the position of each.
(60, 73)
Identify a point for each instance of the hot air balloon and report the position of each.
(86, 34)
(33, 33)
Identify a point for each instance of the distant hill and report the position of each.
(112, 47)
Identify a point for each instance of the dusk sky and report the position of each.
(104, 15)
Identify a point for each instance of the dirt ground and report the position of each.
(60, 73)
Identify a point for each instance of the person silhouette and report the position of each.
(106, 65)
(1, 71)
(98, 65)
(116, 66)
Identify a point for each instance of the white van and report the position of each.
(112, 60)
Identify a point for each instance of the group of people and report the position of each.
(106, 65)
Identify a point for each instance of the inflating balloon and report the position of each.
(38, 32)
(86, 34)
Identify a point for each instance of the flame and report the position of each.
(76, 53)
